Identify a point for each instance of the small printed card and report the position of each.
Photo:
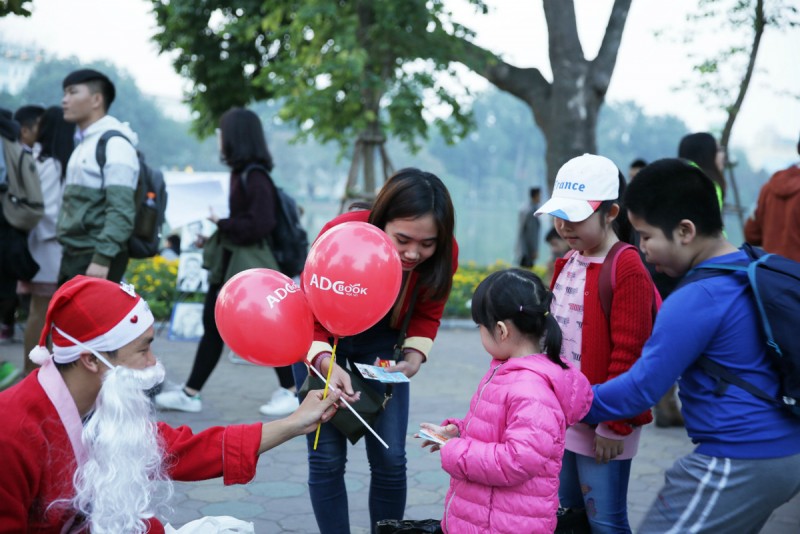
(432, 436)
(373, 372)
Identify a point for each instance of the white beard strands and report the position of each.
(123, 481)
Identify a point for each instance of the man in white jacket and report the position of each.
(98, 208)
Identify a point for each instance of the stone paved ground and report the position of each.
(277, 500)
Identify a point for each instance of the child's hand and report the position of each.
(606, 449)
(447, 432)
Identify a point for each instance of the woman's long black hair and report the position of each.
(56, 137)
(411, 193)
(243, 141)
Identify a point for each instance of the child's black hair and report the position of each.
(621, 225)
(552, 234)
(638, 163)
(670, 190)
(701, 148)
(519, 296)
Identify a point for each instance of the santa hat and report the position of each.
(99, 314)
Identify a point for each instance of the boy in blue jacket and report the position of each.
(747, 459)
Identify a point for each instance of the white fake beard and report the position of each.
(123, 480)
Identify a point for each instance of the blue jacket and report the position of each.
(715, 317)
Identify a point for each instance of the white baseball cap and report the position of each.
(582, 184)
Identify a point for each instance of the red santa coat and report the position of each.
(41, 441)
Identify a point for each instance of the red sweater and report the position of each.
(39, 462)
(608, 350)
(427, 314)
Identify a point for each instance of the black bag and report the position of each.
(369, 406)
(150, 198)
(288, 240)
(408, 526)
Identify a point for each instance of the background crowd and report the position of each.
(568, 339)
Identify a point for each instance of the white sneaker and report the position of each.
(282, 402)
(178, 400)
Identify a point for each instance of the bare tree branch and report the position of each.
(527, 84)
(759, 23)
(603, 64)
(562, 33)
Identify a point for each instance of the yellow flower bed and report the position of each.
(154, 279)
(466, 280)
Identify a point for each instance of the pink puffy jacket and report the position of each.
(504, 467)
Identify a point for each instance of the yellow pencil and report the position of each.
(325, 391)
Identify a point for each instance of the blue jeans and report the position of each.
(600, 488)
(326, 465)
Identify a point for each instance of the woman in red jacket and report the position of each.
(415, 211)
(588, 215)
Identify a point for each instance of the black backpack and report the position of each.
(775, 287)
(288, 240)
(150, 198)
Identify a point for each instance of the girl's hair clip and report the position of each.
(545, 311)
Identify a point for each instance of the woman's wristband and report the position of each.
(316, 362)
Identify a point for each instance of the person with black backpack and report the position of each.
(242, 241)
(709, 337)
(98, 210)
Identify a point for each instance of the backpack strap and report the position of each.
(246, 172)
(398, 348)
(724, 377)
(100, 151)
(608, 275)
(716, 269)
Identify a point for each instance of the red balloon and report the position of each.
(264, 317)
(352, 277)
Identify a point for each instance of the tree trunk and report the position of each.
(759, 22)
(370, 143)
(565, 109)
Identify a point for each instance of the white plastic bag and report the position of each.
(221, 524)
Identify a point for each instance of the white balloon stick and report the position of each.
(351, 408)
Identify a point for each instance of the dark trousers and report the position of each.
(326, 465)
(209, 350)
(8, 310)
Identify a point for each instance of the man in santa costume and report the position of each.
(81, 450)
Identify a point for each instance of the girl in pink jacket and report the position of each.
(504, 457)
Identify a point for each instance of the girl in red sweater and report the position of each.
(588, 215)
